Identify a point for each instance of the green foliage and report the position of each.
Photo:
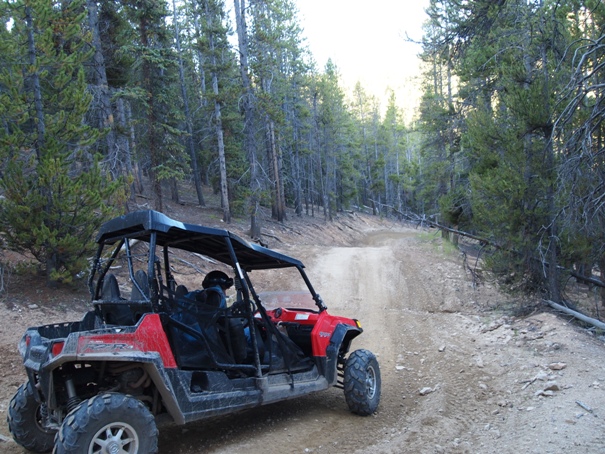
(47, 212)
(55, 193)
(495, 77)
(455, 207)
(331, 152)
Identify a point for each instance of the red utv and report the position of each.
(150, 348)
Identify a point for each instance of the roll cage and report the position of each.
(160, 231)
(155, 289)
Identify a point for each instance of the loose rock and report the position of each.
(552, 386)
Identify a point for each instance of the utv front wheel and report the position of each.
(107, 424)
(362, 382)
(26, 421)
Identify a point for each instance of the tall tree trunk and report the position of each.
(132, 146)
(553, 270)
(125, 148)
(297, 181)
(248, 104)
(197, 179)
(323, 183)
(201, 59)
(601, 265)
(277, 204)
(106, 119)
(152, 141)
(37, 89)
(218, 122)
(174, 190)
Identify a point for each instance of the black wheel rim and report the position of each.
(371, 382)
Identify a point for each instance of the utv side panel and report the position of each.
(205, 394)
(338, 348)
(149, 336)
(322, 332)
(288, 386)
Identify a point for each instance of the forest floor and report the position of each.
(461, 373)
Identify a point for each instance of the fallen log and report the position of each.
(591, 321)
(591, 280)
(466, 234)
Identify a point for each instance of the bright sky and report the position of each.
(367, 41)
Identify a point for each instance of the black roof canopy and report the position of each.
(207, 241)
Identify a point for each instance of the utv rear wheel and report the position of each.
(362, 382)
(110, 423)
(25, 421)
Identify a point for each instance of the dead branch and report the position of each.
(272, 236)
(485, 241)
(468, 267)
(466, 234)
(529, 382)
(591, 321)
(189, 264)
(592, 280)
(203, 257)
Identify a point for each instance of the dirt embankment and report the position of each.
(458, 375)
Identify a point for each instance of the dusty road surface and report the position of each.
(459, 375)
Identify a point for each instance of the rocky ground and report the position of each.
(460, 373)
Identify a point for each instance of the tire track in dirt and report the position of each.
(385, 286)
(440, 355)
(429, 349)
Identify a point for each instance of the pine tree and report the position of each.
(216, 49)
(580, 129)
(332, 137)
(188, 117)
(496, 155)
(55, 194)
(249, 114)
(154, 88)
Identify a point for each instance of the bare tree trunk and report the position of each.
(221, 157)
(153, 140)
(37, 89)
(132, 146)
(312, 189)
(297, 182)
(323, 184)
(106, 119)
(277, 205)
(248, 103)
(218, 122)
(553, 270)
(174, 190)
(123, 145)
(201, 59)
(597, 323)
(282, 191)
(190, 146)
(601, 265)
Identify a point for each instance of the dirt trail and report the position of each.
(456, 378)
(428, 327)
